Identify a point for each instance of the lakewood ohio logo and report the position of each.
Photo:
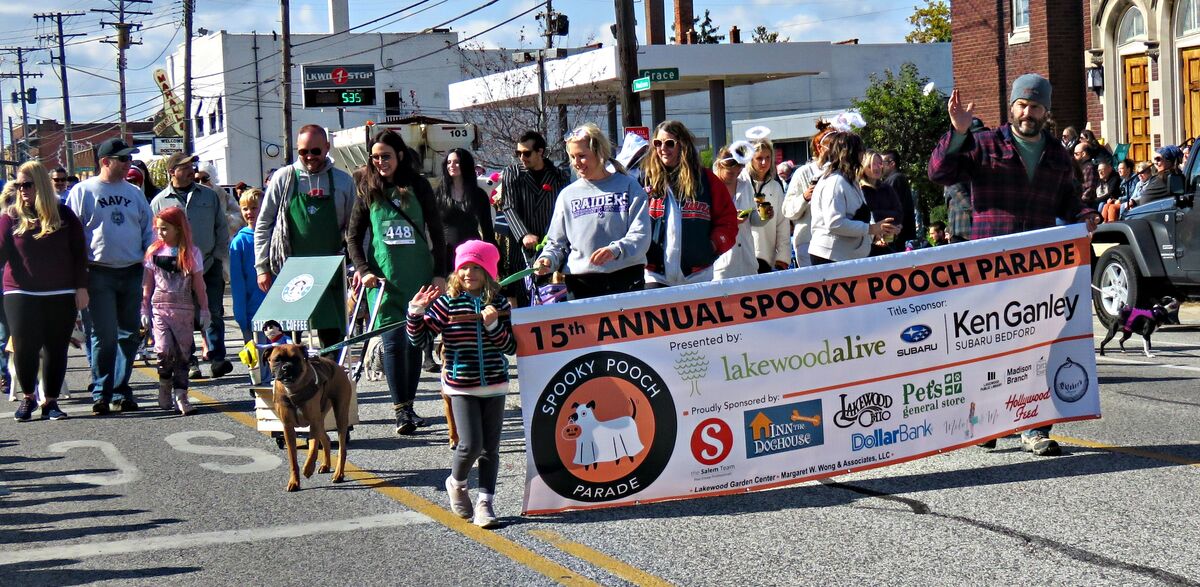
(603, 428)
(783, 428)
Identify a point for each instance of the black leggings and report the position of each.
(590, 285)
(40, 327)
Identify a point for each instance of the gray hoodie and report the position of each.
(118, 225)
(277, 193)
(612, 212)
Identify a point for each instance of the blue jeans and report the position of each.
(115, 301)
(214, 285)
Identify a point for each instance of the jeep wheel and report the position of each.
(1117, 282)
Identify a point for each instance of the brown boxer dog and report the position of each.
(305, 389)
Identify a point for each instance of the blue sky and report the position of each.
(94, 98)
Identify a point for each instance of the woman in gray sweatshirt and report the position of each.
(599, 233)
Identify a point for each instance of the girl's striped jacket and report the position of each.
(474, 355)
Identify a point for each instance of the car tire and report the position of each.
(1116, 281)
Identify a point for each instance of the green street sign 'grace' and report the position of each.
(665, 74)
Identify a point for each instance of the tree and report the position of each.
(706, 32)
(901, 115)
(931, 23)
(762, 36)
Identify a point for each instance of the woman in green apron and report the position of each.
(395, 212)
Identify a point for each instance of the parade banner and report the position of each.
(753, 383)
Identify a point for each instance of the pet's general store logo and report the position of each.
(604, 428)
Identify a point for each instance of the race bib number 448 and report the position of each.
(398, 232)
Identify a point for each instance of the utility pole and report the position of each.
(286, 29)
(541, 67)
(258, 108)
(68, 153)
(627, 68)
(122, 42)
(188, 7)
(656, 34)
(24, 98)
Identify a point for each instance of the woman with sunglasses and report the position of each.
(740, 260)
(1166, 164)
(841, 227)
(396, 208)
(599, 230)
(692, 218)
(771, 230)
(45, 283)
(797, 203)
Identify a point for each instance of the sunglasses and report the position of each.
(59, 179)
(22, 185)
(730, 163)
(523, 154)
(202, 178)
(382, 157)
(669, 143)
(315, 152)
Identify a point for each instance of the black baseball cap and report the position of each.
(113, 147)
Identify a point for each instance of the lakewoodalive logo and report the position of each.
(846, 349)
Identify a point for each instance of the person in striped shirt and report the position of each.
(473, 319)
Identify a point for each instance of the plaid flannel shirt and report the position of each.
(1003, 199)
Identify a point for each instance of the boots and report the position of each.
(405, 424)
(164, 394)
(181, 402)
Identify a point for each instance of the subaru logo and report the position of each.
(916, 333)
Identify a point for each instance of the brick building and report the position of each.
(46, 142)
(1127, 69)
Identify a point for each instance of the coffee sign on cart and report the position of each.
(753, 383)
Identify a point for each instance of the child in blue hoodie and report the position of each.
(243, 279)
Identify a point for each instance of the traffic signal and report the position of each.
(15, 98)
(31, 95)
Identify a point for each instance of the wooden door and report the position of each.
(1189, 61)
(1137, 107)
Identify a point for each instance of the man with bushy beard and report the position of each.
(1021, 178)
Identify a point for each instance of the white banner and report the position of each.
(763, 381)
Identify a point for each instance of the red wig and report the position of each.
(176, 217)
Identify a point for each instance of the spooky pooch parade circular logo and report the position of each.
(604, 428)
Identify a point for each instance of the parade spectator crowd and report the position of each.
(120, 255)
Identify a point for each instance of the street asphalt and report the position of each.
(151, 498)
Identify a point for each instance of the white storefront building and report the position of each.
(237, 114)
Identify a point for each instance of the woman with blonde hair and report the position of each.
(768, 226)
(599, 232)
(881, 198)
(45, 284)
(692, 218)
(740, 260)
(841, 220)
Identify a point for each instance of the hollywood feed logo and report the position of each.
(783, 428)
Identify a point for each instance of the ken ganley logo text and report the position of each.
(783, 428)
(603, 428)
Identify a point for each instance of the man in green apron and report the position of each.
(304, 213)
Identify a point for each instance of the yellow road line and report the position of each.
(599, 559)
(496, 542)
(1137, 452)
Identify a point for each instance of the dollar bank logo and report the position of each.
(783, 428)
(692, 367)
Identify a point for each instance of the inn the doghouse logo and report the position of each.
(603, 428)
(1070, 381)
(783, 428)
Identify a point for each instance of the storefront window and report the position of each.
(1133, 27)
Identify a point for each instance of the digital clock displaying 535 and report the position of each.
(339, 97)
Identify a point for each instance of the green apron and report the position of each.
(314, 232)
(400, 253)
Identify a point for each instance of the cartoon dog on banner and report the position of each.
(602, 441)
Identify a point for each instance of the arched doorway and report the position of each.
(1135, 77)
(1187, 34)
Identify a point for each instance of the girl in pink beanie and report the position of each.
(472, 317)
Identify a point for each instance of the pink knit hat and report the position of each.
(481, 253)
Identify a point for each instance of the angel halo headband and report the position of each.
(758, 133)
(741, 152)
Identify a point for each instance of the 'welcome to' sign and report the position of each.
(764, 381)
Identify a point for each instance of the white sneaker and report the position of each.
(460, 500)
(484, 516)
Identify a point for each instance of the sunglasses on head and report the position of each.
(21, 185)
(669, 143)
(315, 152)
(522, 153)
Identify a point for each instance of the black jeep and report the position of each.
(1156, 252)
